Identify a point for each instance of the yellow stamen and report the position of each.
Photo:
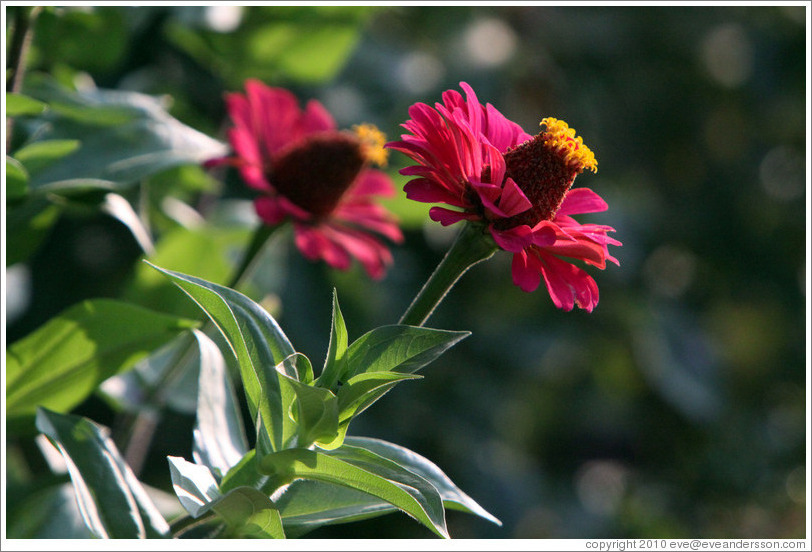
(372, 142)
(559, 136)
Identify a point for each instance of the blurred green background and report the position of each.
(676, 409)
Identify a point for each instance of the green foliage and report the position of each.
(365, 472)
(280, 43)
(123, 137)
(259, 344)
(112, 501)
(18, 105)
(61, 363)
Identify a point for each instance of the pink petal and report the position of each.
(447, 217)
(428, 191)
(369, 216)
(526, 271)
(370, 182)
(514, 239)
(314, 245)
(582, 200)
(316, 118)
(568, 284)
(513, 200)
(373, 255)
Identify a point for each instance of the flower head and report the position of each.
(472, 158)
(314, 175)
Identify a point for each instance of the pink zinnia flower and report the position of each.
(313, 175)
(472, 158)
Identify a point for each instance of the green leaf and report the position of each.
(398, 348)
(16, 179)
(309, 504)
(453, 496)
(38, 155)
(112, 501)
(62, 362)
(364, 389)
(398, 487)
(125, 137)
(315, 411)
(219, 436)
(334, 363)
(250, 514)
(194, 484)
(19, 104)
(27, 225)
(247, 511)
(258, 344)
(277, 44)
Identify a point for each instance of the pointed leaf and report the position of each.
(366, 387)
(112, 501)
(334, 363)
(62, 362)
(219, 436)
(194, 484)
(258, 344)
(404, 490)
(453, 496)
(398, 348)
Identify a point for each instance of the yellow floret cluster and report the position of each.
(560, 137)
(372, 142)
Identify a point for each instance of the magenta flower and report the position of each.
(472, 158)
(313, 175)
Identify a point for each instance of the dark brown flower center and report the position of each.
(543, 174)
(315, 173)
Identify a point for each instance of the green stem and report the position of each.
(258, 242)
(21, 36)
(471, 246)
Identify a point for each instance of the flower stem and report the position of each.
(260, 238)
(471, 246)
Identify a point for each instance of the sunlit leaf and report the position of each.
(38, 155)
(62, 362)
(398, 348)
(219, 436)
(112, 501)
(334, 363)
(315, 411)
(20, 104)
(399, 487)
(259, 344)
(453, 496)
(247, 511)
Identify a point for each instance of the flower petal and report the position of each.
(514, 239)
(447, 217)
(526, 271)
(582, 200)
